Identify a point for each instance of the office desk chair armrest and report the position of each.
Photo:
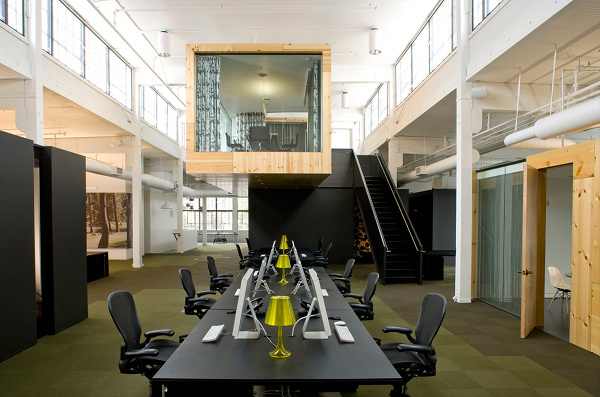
(158, 332)
(414, 348)
(335, 275)
(140, 352)
(220, 278)
(395, 328)
(224, 275)
(342, 279)
(363, 306)
(355, 296)
(202, 293)
(194, 300)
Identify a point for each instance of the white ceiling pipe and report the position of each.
(444, 165)
(100, 168)
(537, 143)
(574, 119)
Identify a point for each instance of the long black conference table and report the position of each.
(232, 367)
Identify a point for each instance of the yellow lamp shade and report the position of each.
(280, 312)
(283, 262)
(283, 245)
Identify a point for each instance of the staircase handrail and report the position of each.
(411, 229)
(364, 184)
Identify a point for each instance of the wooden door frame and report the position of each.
(583, 159)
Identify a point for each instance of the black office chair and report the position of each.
(137, 357)
(342, 281)
(233, 146)
(419, 357)
(218, 282)
(319, 246)
(245, 261)
(323, 260)
(364, 309)
(195, 304)
(250, 250)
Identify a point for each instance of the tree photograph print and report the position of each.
(108, 220)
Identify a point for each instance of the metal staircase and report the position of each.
(397, 251)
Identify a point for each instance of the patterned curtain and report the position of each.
(314, 108)
(243, 122)
(208, 100)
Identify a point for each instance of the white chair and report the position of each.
(561, 286)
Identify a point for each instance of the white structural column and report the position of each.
(179, 179)
(464, 143)
(30, 116)
(204, 231)
(137, 198)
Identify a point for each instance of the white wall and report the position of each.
(559, 208)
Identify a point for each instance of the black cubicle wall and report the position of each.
(307, 214)
(17, 266)
(433, 213)
(63, 245)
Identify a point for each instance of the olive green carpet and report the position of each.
(479, 349)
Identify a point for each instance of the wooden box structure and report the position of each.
(285, 169)
(585, 254)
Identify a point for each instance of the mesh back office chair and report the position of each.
(561, 286)
(195, 304)
(364, 309)
(137, 357)
(319, 246)
(250, 250)
(218, 282)
(323, 260)
(245, 261)
(234, 146)
(419, 357)
(342, 281)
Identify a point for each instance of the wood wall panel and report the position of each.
(583, 194)
(582, 156)
(595, 331)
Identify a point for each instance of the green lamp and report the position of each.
(283, 262)
(280, 314)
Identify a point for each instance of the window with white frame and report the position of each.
(242, 214)
(440, 26)
(67, 34)
(420, 57)
(192, 214)
(377, 109)
(158, 112)
(119, 75)
(219, 213)
(432, 45)
(11, 13)
(481, 9)
(96, 72)
(68, 39)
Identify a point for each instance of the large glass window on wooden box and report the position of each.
(258, 102)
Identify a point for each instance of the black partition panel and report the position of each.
(63, 245)
(307, 214)
(17, 261)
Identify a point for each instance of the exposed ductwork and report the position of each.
(573, 119)
(444, 165)
(537, 143)
(148, 180)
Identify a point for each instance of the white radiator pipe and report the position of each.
(444, 165)
(573, 119)
(148, 180)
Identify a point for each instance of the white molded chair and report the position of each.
(561, 286)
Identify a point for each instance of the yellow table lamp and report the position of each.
(280, 314)
(283, 262)
(283, 245)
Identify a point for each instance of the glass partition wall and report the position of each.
(498, 237)
(258, 102)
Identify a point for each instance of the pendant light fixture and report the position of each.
(374, 41)
(164, 44)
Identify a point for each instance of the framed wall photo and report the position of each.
(108, 220)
